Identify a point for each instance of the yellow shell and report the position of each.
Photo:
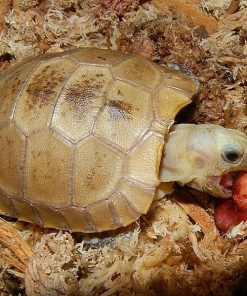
(81, 137)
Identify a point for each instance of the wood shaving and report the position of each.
(197, 213)
(119, 6)
(25, 4)
(233, 68)
(5, 5)
(191, 10)
(18, 252)
(52, 268)
(217, 8)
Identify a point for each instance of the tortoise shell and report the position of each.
(82, 134)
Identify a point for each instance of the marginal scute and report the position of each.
(52, 55)
(80, 101)
(11, 143)
(138, 70)
(10, 89)
(6, 205)
(144, 161)
(36, 101)
(48, 170)
(2, 77)
(128, 108)
(97, 170)
(125, 214)
(180, 80)
(137, 197)
(162, 129)
(24, 211)
(76, 219)
(102, 216)
(169, 101)
(51, 218)
(96, 56)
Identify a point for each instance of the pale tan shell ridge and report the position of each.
(82, 134)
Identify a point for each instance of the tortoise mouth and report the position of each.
(221, 186)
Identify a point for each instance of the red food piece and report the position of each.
(232, 211)
(240, 191)
(226, 215)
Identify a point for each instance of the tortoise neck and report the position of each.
(175, 165)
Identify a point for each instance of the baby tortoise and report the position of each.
(82, 137)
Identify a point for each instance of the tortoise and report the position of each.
(82, 137)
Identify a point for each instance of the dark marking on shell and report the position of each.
(43, 87)
(81, 95)
(11, 85)
(15, 85)
(93, 177)
(101, 58)
(120, 110)
(89, 179)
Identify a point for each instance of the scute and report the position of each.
(81, 136)
(6, 205)
(10, 89)
(137, 70)
(96, 56)
(138, 197)
(168, 101)
(48, 170)
(77, 219)
(123, 210)
(36, 101)
(25, 211)
(51, 218)
(80, 101)
(149, 149)
(128, 108)
(98, 214)
(175, 76)
(97, 170)
(12, 144)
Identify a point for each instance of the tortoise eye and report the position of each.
(232, 155)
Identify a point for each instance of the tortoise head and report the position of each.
(203, 157)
